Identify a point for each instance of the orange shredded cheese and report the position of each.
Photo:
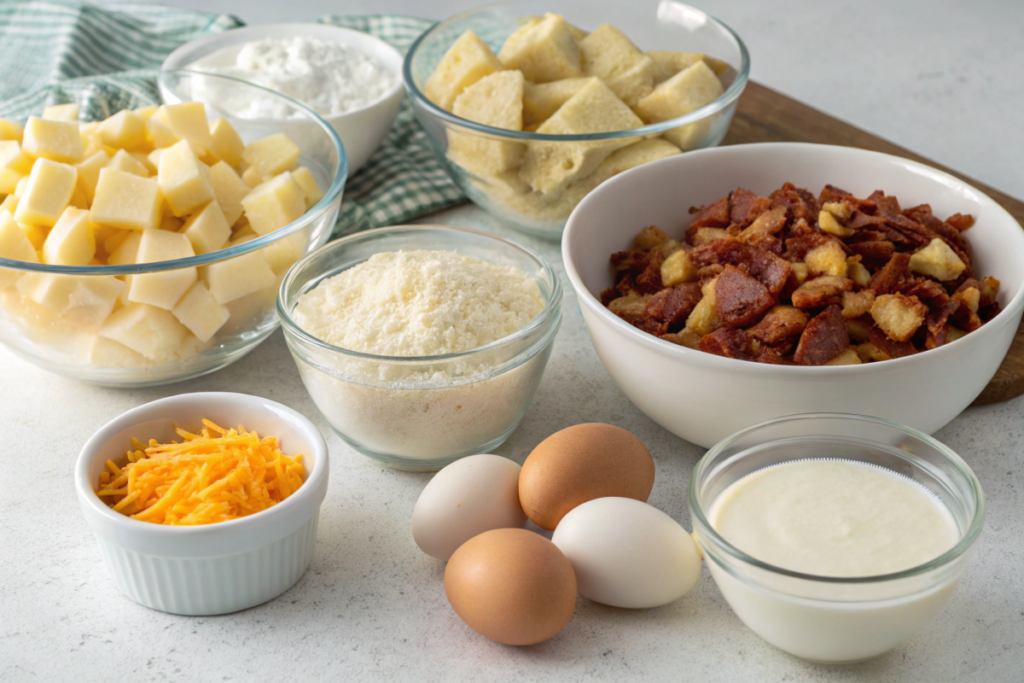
(210, 477)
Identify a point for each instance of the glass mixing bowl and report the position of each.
(50, 339)
(650, 24)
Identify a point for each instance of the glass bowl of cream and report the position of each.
(835, 537)
(421, 344)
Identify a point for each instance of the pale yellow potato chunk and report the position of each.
(125, 130)
(127, 251)
(37, 322)
(84, 301)
(495, 100)
(304, 177)
(467, 61)
(13, 245)
(227, 144)
(147, 330)
(54, 140)
(272, 155)
(159, 134)
(937, 260)
(47, 192)
(62, 112)
(544, 50)
(70, 242)
(11, 130)
(284, 252)
(36, 234)
(123, 161)
(229, 190)
(828, 259)
(274, 204)
(184, 180)
(100, 352)
(207, 230)
(541, 100)
(14, 165)
(188, 122)
(89, 172)
(234, 278)
(200, 312)
(165, 288)
(124, 200)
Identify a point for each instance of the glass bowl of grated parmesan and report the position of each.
(421, 344)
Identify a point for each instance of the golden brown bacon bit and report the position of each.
(758, 268)
(824, 338)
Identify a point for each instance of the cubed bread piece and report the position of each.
(184, 180)
(494, 100)
(100, 352)
(61, 112)
(274, 204)
(89, 172)
(227, 143)
(937, 260)
(70, 242)
(47, 192)
(541, 100)
(164, 288)
(13, 245)
(856, 271)
(54, 140)
(127, 251)
(208, 230)
(467, 61)
(229, 190)
(688, 90)
(127, 201)
(304, 177)
(14, 165)
(635, 83)
(827, 259)
(543, 50)
(549, 167)
(234, 278)
(11, 130)
(148, 330)
(200, 312)
(634, 155)
(272, 155)
(124, 130)
(678, 268)
(606, 53)
(188, 122)
(84, 301)
(898, 316)
(669, 62)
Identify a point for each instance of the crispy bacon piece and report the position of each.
(729, 342)
(649, 280)
(771, 270)
(714, 215)
(888, 279)
(961, 221)
(923, 215)
(925, 289)
(831, 193)
(798, 203)
(875, 250)
(826, 290)
(779, 324)
(674, 304)
(824, 338)
(884, 202)
(646, 323)
(745, 206)
(740, 300)
(889, 347)
(861, 220)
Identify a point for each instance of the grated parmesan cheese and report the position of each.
(419, 303)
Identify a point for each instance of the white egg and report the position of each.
(628, 554)
(468, 497)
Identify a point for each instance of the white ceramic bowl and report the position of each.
(361, 130)
(212, 568)
(703, 397)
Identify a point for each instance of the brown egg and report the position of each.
(511, 585)
(582, 463)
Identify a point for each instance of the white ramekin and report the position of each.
(214, 568)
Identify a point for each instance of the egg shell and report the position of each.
(581, 463)
(626, 553)
(512, 586)
(466, 498)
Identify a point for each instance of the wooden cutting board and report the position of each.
(764, 115)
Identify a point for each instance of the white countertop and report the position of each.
(371, 605)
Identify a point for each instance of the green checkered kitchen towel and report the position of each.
(106, 58)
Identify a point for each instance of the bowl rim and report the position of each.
(970, 535)
(258, 31)
(314, 481)
(331, 194)
(552, 307)
(718, 104)
(683, 354)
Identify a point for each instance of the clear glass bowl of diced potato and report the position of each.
(531, 104)
(142, 244)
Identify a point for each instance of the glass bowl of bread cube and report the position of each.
(145, 245)
(532, 104)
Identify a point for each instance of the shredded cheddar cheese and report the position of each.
(210, 477)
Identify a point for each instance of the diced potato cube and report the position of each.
(847, 357)
(162, 289)
(127, 251)
(184, 180)
(36, 234)
(84, 301)
(123, 161)
(234, 278)
(467, 61)
(145, 162)
(188, 122)
(703, 236)
(898, 316)
(542, 100)
(171, 223)
(252, 177)
(100, 352)
(126, 201)
(543, 50)
(227, 143)
(148, 330)
(828, 259)
(154, 159)
(125, 130)
(856, 271)
(703, 319)
(494, 100)
(828, 223)
(191, 347)
(937, 260)
(272, 155)
(13, 158)
(11, 130)
(678, 268)
(89, 172)
(688, 90)
(274, 204)
(200, 312)
(971, 297)
(37, 322)
(207, 230)
(840, 210)
(550, 167)
(304, 177)
(13, 245)
(284, 252)
(229, 190)
(47, 192)
(9, 204)
(19, 189)
(160, 135)
(78, 199)
(61, 112)
(70, 242)
(54, 140)
(112, 237)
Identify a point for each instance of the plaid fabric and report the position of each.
(106, 58)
